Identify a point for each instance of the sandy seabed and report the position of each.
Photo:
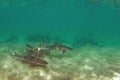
(84, 63)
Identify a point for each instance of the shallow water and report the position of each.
(89, 27)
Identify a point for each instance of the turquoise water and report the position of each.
(90, 27)
(75, 18)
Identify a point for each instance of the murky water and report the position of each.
(90, 28)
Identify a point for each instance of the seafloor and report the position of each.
(85, 62)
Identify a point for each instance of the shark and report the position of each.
(32, 60)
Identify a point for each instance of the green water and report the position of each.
(90, 27)
(69, 19)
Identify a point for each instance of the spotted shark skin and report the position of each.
(58, 46)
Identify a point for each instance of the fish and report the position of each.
(58, 46)
(32, 60)
(37, 51)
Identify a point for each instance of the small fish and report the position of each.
(31, 59)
